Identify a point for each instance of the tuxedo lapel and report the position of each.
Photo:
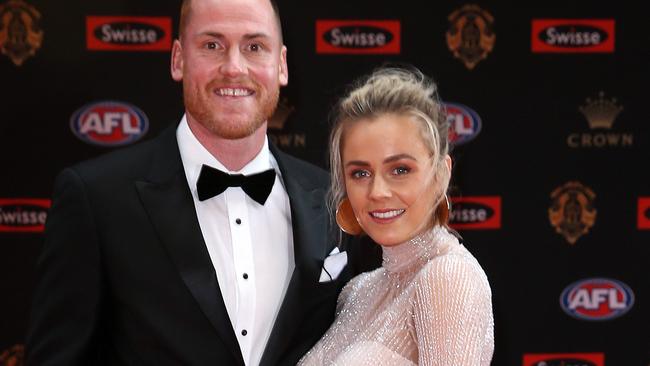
(310, 225)
(169, 204)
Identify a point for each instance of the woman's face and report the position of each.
(389, 177)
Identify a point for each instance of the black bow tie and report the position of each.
(213, 182)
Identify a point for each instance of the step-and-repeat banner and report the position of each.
(548, 107)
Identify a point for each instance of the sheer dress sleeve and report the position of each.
(452, 313)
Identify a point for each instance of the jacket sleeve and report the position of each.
(453, 314)
(65, 313)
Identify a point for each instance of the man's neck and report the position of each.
(233, 154)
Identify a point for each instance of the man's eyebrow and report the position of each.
(211, 34)
(246, 36)
(256, 35)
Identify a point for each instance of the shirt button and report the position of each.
(238, 221)
(244, 332)
(245, 276)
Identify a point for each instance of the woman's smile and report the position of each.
(386, 216)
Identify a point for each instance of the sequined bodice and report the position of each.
(429, 304)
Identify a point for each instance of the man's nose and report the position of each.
(233, 63)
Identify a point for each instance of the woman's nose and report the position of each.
(379, 188)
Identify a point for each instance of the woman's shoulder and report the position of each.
(456, 266)
(363, 281)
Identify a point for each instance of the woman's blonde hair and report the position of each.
(392, 90)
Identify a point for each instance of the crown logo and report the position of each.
(282, 112)
(601, 112)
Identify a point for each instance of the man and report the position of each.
(148, 262)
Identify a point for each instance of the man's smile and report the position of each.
(234, 92)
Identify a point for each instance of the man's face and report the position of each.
(232, 64)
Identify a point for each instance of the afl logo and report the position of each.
(464, 123)
(109, 123)
(597, 299)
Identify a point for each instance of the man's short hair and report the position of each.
(185, 10)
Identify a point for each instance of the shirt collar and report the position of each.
(194, 155)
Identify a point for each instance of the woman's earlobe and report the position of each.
(448, 161)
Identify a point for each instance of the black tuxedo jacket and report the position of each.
(125, 278)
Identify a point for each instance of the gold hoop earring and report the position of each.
(444, 208)
(346, 219)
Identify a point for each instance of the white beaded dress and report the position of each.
(429, 304)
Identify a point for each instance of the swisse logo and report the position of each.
(109, 123)
(358, 36)
(473, 213)
(464, 123)
(597, 299)
(643, 219)
(564, 359)
(573, 35)
(125, 33)
(23, 214)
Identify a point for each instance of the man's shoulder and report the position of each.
(307, 167)
(130, 161)
(298, 167)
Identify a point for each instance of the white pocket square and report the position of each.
(333, 265)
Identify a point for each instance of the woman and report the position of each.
(430, 302)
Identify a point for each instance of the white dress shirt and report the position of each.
(250, 245)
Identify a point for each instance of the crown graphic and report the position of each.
(281, 114)
(601, 112)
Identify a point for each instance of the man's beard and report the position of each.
(198, 106)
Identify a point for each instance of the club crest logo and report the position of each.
(572, 212)
(470, 36)
(20, 32)
(14, 356)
